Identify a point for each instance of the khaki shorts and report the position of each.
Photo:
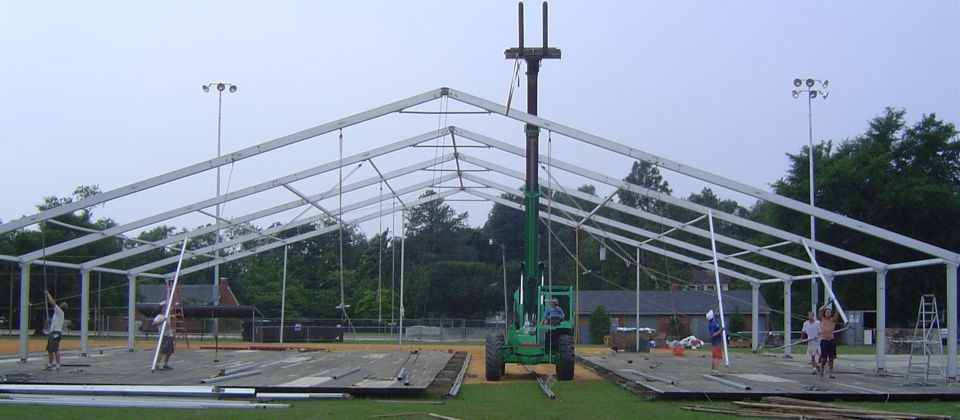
(813, 347)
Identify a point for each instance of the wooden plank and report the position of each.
(841, 411)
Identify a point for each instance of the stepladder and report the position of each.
(926, 347)
(177, 320)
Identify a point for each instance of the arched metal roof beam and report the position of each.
(308, 235)
(635, 230)
(690, 171)
(275, 230)
(225, 159)
(618, 238)
(243, 192)
(586, 173)
(656, 218)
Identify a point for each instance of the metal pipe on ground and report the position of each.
(131, 402)
(727, 383)
(345, 373)
(542, 382)
(648, 376)
(237, 369)
(229, 377)
(138, 390)
(301, 396)
(455, 389)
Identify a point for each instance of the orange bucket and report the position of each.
(677, 350)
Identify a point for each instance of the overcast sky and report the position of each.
(108, 93)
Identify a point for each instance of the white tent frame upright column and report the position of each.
(24, 309)
(881, 339)
(787, 317)
(951, 320)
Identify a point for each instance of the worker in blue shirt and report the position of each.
(554, 312)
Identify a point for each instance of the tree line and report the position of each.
(901, 177)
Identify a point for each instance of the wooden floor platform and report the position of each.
(665, 376)
(351, 371)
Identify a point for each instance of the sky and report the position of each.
(108, 93)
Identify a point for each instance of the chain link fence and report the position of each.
(112, 322)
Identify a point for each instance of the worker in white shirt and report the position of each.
(56, 332)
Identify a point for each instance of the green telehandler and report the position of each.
(533, 336)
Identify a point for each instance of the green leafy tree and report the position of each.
(899, 177)
(599, 325)
(736, 323)
(678, 327)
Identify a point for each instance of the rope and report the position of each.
(343, 306)
(514, 81)
(549, 208)
(43, 243)
(393, 262)
(380, 260)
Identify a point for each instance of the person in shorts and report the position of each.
(716, 343)
(811, 334)
(828, 341)
(166, 343)
(56, 332)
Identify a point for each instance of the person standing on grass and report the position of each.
(811, 334)
(56, 332)
(166, 343)
(716, 343)
(828, 342)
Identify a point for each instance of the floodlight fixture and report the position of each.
(813, 94)
(796, 94)
(825, 84)
(809, 83)
(797, 82)
(205, 88)
(233, 88)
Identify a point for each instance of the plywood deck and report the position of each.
(766, 375)
(286, 371)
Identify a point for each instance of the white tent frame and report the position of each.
(472, 184)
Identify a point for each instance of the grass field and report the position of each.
(576, 400)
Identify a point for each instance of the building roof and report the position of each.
(665, 302)
(192, 294)
(702, 277)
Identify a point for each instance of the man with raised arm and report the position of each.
(56, 332)
(828, 341)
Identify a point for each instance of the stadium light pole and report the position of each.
(220, 88)
(811, 88)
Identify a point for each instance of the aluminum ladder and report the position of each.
(928, 339)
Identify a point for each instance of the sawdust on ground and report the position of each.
(475, 372)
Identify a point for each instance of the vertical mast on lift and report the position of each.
(531, 270)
